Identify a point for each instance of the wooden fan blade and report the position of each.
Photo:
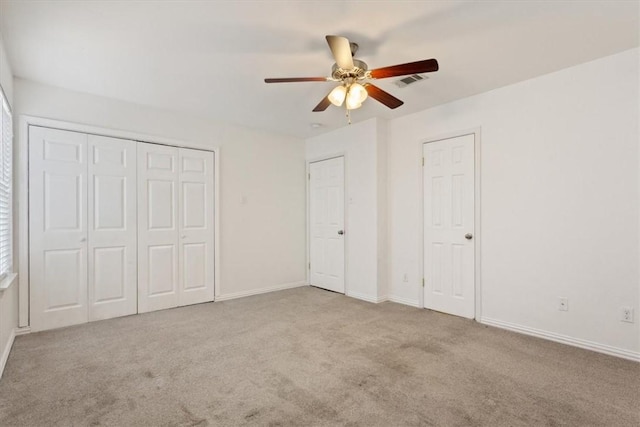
(296, 79)
(384, 97)
(323, 104)
(418, 67)
(341, 50)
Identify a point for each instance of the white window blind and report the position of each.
(6, 203)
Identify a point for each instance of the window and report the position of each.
(6, 199)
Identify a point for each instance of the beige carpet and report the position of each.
(309, 357)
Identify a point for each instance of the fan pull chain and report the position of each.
(349, 115)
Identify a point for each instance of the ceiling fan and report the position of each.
(350, 72)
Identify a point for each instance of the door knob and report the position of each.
(84, 239)
(468, 236)
(341, 232)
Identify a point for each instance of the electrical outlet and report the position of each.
(627, 314)
(563, 304)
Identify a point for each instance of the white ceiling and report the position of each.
(209, 58)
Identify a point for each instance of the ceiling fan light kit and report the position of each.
(354, 93)
(350, 72)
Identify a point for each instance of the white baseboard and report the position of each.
(6, 351)
(234, 295)
(564, 339)
(23, 330)
(405, 301)
(365, 297)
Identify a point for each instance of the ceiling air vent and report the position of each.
(406, 81)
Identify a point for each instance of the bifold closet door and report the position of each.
(82, 227)
(57, 228)
(157, 227)
(112, 266)
(196, 226)
(116, 227)
(175, 227)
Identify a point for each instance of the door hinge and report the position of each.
(423, 282)
(423, 161)
(309, 176)
(309, 266)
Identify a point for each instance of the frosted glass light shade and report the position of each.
(337, 95)
(357, 90)
(352, 105)
(357, 93)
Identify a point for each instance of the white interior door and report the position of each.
(112, 257)
(57, 228)
(157, 227)
(196, 226)
(449, 250)
(326, 224)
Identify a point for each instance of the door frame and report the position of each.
(317, 159)
(21, 195)
(477, 236)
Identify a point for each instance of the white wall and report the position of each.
(382, 209)
(8, 321)
(9, 297)
(362, 146)
(6, 76)
(262, 240)
(560, 192)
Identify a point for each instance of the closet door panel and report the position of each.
(57, 228)
(112, 254)
(196, 226)
(158, 286)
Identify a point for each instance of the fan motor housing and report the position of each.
(358, 72)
